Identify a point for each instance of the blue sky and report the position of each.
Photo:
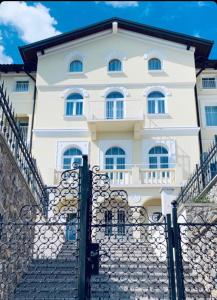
(25, 22)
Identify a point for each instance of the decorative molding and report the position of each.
(62, 146)
(74, 55)
(190, 84)
(158, 88)
(122, 90)
(64, 94)
(112, 54)
(167, 131)
(61, 132)
(114, 27)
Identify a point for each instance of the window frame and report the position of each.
(74, 107)
(76, 72)
(21, 91)
(158, 156)
(115, 71)
(114, 109)
(156, 104)
(155, 70)
(205, 116)
(207, 78)
(72, 157)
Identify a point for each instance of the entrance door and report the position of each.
(71, 227)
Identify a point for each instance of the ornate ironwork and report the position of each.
(38, 252)
(17, 143)
(202, 177)
(199, 260)
(132, 249)
(94, 244)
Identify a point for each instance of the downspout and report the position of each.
(198, 114)
(33, 109)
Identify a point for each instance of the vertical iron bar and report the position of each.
(170, 259)
(178, 255)
(84, 197)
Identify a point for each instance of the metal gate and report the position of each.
(89, 243)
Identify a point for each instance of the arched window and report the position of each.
(115, 158)
(114, 106)
(74, 105)
(115, 65)
(158, 158)
(156, 103)
(76, 66)
(154, 64)
(70, 156)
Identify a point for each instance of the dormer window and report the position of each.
(115, 65)
(76, 66)
(154, 64)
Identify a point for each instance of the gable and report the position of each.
(202, 46)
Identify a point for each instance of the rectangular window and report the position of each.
(161, 107)
(209, 83)
(109, 163)
(211, 115)
(79, 108)
(23, 129)
(22, 86)
(119, 109)
(164, 162)
(109, 109)
(66, 163)
(151, 106)
(69, 108)
(108, 223)
(121, 222)
(152, 162)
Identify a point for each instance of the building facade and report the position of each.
(140, 101)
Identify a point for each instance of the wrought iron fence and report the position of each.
(17, 144)
(202, 176)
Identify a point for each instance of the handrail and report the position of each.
(14, 138)
(200, 178)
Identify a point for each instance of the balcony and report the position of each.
(135, 176)
(130, 117)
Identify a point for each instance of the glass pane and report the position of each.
(153, 162)
(120, 162)
(151, 106)
(22, 86)
(69, 108)
(164, 162)
(154, 64)
(115, 95)
(161, 107)
(109, 110)
(76, 66)
(78, 160)
(108, 220)
(209, 83)
(66, 163)
(121, 222)
(115, 65)
(211, 115)
(119, 109)
(79, 108)
(109, 163)
(73, 151)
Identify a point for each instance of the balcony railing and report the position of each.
(130, 110)
(135, 175)
(18, 147)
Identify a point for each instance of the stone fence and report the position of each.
(17, 206)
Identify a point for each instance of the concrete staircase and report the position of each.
(127, 272)
(54, 279)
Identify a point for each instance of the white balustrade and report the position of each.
(157, 176)
(134, 175)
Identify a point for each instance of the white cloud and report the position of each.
(4, 59)
(33, 23)
(122, 4)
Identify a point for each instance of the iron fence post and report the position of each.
(83, 236)
(170, 259)
(178, 254)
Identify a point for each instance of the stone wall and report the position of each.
(17, 206)
(199, 239)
